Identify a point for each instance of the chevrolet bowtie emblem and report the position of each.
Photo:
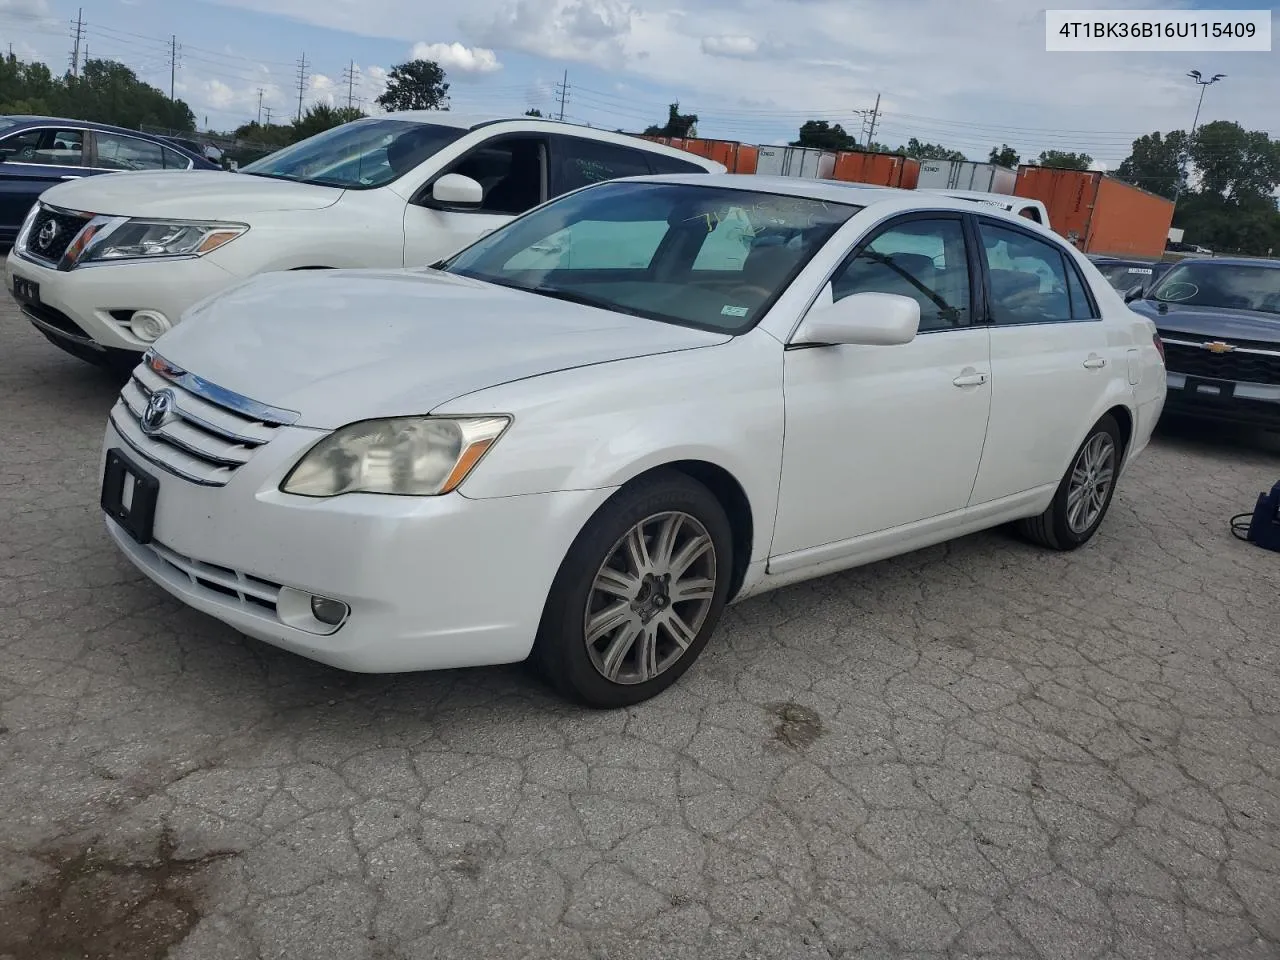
(1217, 346)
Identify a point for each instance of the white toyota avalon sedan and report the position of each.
(580, 437)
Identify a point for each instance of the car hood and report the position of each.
(1212, 322)
(191, 194)
(344, 345)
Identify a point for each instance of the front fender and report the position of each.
(599, 426)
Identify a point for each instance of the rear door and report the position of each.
(33, 160)
(1050, 360)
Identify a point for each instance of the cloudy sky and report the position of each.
(966, 73)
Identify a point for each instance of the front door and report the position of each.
(512, 170)
(1050, 361)
(878, 437)
(31, 161)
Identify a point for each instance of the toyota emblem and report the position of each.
(47, 234)
(159, 408)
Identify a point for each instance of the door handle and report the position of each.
(1095, 362)
(970, 380)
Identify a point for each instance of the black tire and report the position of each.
(560, 651)
(1051, 529)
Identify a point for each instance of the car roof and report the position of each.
(892, 199)
(1269, 263)
(476, 120)
(23, 120)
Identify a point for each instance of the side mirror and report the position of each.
(456, 191)
(1132, 294)
(868, 319)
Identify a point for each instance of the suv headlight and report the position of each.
(129, 239)
(406, 456)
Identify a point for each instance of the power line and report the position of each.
(78, 36)
(562, 90)
(350, 76)
(302, 82)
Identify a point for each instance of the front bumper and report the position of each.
(89, 306)
(1227, 401)
(431, 582)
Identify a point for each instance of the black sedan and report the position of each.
(1124, 275)
(37, 152)
(1219, 320)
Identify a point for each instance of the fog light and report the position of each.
(330, 612)
(148, 325)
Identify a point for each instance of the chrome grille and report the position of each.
(1247, 362)
(208, 432)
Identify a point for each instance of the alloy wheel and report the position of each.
(1091, 480)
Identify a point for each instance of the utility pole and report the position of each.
(562, 90)
(268, 109)
(259, 106)
(302, 83)
(875, 115)
(78, 36)
(173, 62)
(351, 84)
(1198, 77)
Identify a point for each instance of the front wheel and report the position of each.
(1085, 493)
(638, 595)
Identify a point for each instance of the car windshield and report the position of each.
(1231, 286)
(359, 155)
(714, 258)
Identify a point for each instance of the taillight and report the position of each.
(1155, 338)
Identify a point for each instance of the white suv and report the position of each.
(105, 265)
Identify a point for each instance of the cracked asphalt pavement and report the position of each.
(978, 750)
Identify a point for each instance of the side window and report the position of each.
(49, 146)
(594, 245)
(727, 244)
(116, 152)
(1081, 305)
(1028, 277)
(576, 162)
(922, 259)
(660, 163)
(173, 160)
(510, 169)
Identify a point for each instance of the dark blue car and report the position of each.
(37, 152)
(1219, 319)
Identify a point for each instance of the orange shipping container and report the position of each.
(882, 169)
(736, 157)
(1097, 213)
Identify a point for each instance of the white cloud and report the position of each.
(457, 57)
(742, 47)
(590, 31)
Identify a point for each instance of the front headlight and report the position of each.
(407, 456)
(133, 239)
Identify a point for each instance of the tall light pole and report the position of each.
(1198, 77)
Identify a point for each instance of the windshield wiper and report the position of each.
(572, 296)
(267, 176)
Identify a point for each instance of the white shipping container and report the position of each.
(966, 175)
(807, 162)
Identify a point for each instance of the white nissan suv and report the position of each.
(105, 265)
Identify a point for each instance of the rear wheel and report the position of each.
(638, 595)
(1085, 493)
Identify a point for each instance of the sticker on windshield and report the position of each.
(1139, 269)
(731, 311)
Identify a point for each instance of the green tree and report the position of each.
(824, 136)
(105, 91)
(1155, 163)
(1004, 156)
(533, 112)
(1235, 163)
(929, 151)
(678, 124)
(1064, 160)
(416, 85)
(321, 117)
